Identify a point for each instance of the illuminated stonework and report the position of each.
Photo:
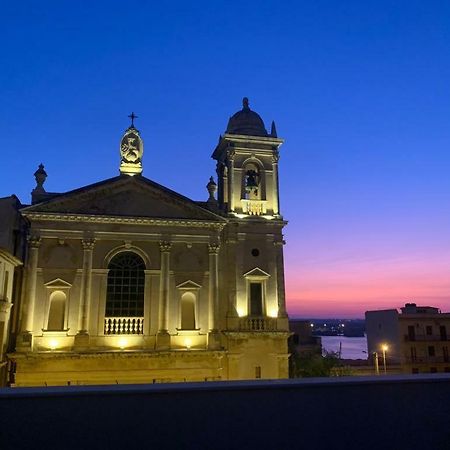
(129, 282)
(131, 151)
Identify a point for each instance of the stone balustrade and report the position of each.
(124, 325)
(254, 207)
(258, 324)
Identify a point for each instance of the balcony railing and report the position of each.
(426, 337)
(124, 325)
(428, 360)
(254, 207)
(258, 324)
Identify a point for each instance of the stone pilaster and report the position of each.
(27, 322)
(86, 285)
(213, 285)
(276, 195)
(231, 187)
(282, 313)
(163, 338)
(82, 337)
(213, 306)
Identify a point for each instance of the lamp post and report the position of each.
(375, 362)
(385, 348)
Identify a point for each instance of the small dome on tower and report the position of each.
(246, 122)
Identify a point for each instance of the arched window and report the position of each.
(126, 281)
(56, 311)
(188, 311)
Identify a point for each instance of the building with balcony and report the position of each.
(417, 338)
(127, 281)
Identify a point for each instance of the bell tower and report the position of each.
(247, 166)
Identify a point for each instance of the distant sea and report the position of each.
(352, 347)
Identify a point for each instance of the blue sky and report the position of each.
(359, 90)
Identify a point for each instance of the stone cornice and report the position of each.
(253, 139)
(58, 217)
(138, 354)
(10, 258)
(257, 334)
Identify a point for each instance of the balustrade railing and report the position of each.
(258, 324)
(426, 337)
(254, 207)
(124, 325)
(427, 359)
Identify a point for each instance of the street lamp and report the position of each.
(375, 361)
(385, 348)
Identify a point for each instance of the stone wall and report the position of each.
(399, 412)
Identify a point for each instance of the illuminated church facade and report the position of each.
(126, 281)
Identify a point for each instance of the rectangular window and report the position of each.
(443, 332)
(411, 333)
(431, 351)
(258, 372)
(445, 354)
(256, 300)
(415, 370)
(433, 370)
(413, 354)
(429, 330)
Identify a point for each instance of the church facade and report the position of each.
(126, 281)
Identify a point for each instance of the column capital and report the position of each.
(213, 247)
(34, 241)
(165, 246)
(279, 243)
(5, 306)
(88, 243)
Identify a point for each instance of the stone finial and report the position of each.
(40, 175)
(273, 130)
(131, 151)
(212, 189)
(245, 103)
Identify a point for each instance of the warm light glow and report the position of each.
(384, 347)
(53, 344)
(241, 312)
(273, 312)
(188, 343)
(122, 343)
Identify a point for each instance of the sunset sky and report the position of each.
(359, 91)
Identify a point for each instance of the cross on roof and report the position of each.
(132, 116)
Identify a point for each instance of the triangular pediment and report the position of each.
(256, 273)
(125, 196)
(188, 285)
(57, 283)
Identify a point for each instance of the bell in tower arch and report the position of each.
(252, 180)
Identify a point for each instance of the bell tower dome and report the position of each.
(247, 166)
